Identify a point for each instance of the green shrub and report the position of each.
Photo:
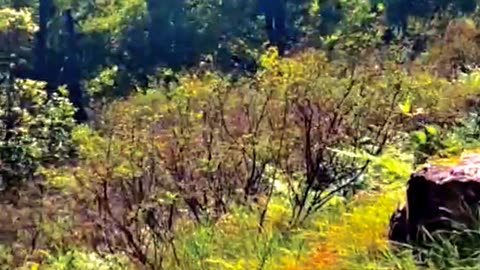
(78, 260)
(34, 131)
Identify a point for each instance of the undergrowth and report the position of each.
(298, 165)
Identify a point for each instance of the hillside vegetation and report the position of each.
(203, 134)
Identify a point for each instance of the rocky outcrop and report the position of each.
(440, 198)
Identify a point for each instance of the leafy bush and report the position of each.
(78, 260)
(212, 144)
(34, 131)
(16, 29)
(459, 49)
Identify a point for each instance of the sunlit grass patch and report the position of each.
(359, 237)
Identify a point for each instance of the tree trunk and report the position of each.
(71, 73)
(40, 65)
(275, 22)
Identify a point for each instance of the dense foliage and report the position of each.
(205, 134)
(35, 130)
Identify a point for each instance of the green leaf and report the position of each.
(420, 137)
(406, 107)
(431, 130)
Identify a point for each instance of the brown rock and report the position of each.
(439, 198)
